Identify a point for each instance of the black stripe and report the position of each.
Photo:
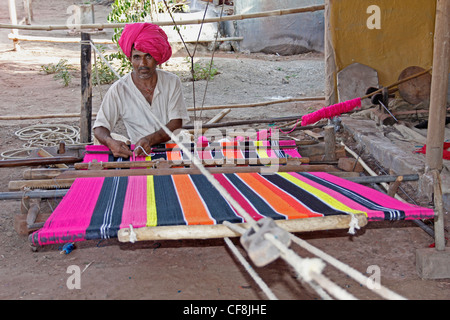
(259, 204)
(168, 207)
(218, 207)
(109, 207)
(309, 200)
(389, 213)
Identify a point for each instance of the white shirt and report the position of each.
(124, 101)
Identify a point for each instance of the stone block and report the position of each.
(433, 264)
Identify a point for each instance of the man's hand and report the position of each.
(143, 143)
(119, 148)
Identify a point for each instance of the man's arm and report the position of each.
(118, 148)
(157, 137)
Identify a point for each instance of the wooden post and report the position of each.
(330, 143)
(330, 62)
(439, 87)
(438, 109)
(86, 89)
(27, 4)
(13, 18)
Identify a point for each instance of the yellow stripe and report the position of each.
(262, 152)
(152, 218)
(332, 202)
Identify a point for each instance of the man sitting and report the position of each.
(142, 93)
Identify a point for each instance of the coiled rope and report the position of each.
(42, 135)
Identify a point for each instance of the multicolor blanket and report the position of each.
(96, 208)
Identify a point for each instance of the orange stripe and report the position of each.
(193, 207)
(174, 155)
(278, 199)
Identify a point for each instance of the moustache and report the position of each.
(144, 68)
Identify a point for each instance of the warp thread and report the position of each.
(331, 111)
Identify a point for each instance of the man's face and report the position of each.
(144, 65)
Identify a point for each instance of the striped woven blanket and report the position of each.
(96, 208)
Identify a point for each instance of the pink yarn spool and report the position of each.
(331, 111)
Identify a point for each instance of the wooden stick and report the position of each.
(17, 37)
(86, 90)
(439, 223)
(222, 231)
(439, 88)
(244, 122)
(394, 186)
(40, 184)
(38, 161)
(385, 178)
(169, 163)
(39, 174)
(258, 104)
(101, 26)
(397, 83)
(172, 171)
(219, 116)
(33, 194)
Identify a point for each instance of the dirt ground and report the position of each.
(185, 269)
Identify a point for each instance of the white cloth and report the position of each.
(124, 101)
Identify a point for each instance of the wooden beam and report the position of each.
(38, 161)
(169, 163)
(101, 26)
(222, 231)
(86, 89)
(172, 171)
(439, 87)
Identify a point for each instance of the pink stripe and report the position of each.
(292, 152)
(341, 198)
(236, 194)
(89, 157)
(204, 155)
(287, 143)
(74, 211)
(411, 212)
(135, 205)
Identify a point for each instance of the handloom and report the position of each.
(97, 208)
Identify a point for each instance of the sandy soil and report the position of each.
(179, 270)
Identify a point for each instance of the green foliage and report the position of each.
(102, 74)
(203, 72)
(61, 71)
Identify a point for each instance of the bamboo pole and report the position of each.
(436, 122)
(271, 167)
(101, 26)
(168, 163)
(258, 104)
(222, 231)
(17, 37)
(86, 90)
(13, 18)
(439, 88)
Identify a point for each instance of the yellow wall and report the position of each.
(405, 38)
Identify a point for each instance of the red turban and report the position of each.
(148, 38)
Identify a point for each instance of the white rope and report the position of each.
(102, 57)
(356, 275)
(42, 135)
(250, 270)
(133, 236)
